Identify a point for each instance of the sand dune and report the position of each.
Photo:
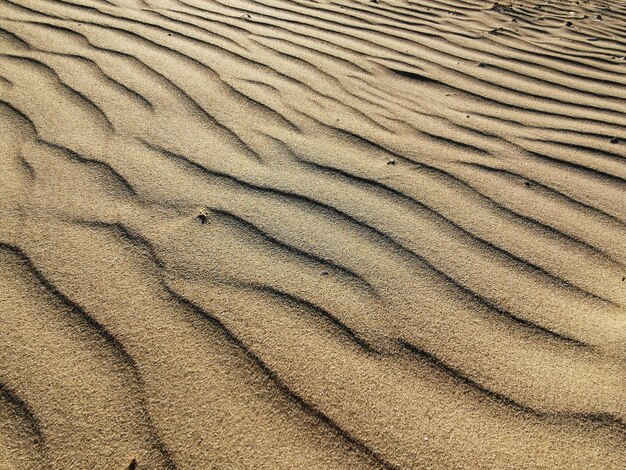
(312, 234)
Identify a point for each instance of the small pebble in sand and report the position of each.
(614, 140)
(202, 218)
(391, 162)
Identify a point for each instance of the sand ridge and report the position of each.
(312, 234)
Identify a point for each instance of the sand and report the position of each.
(294, 234)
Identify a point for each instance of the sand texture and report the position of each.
(295, 234)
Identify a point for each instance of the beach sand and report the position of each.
(294, 234)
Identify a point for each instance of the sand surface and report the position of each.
(294, 234)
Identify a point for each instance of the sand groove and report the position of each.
(312, 234)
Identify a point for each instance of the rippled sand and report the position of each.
(303, 234)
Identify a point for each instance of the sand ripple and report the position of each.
(312, 234)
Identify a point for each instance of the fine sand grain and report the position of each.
(296, 234)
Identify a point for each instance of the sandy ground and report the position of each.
(294, 234)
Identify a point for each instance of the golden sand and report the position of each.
(294, 234)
